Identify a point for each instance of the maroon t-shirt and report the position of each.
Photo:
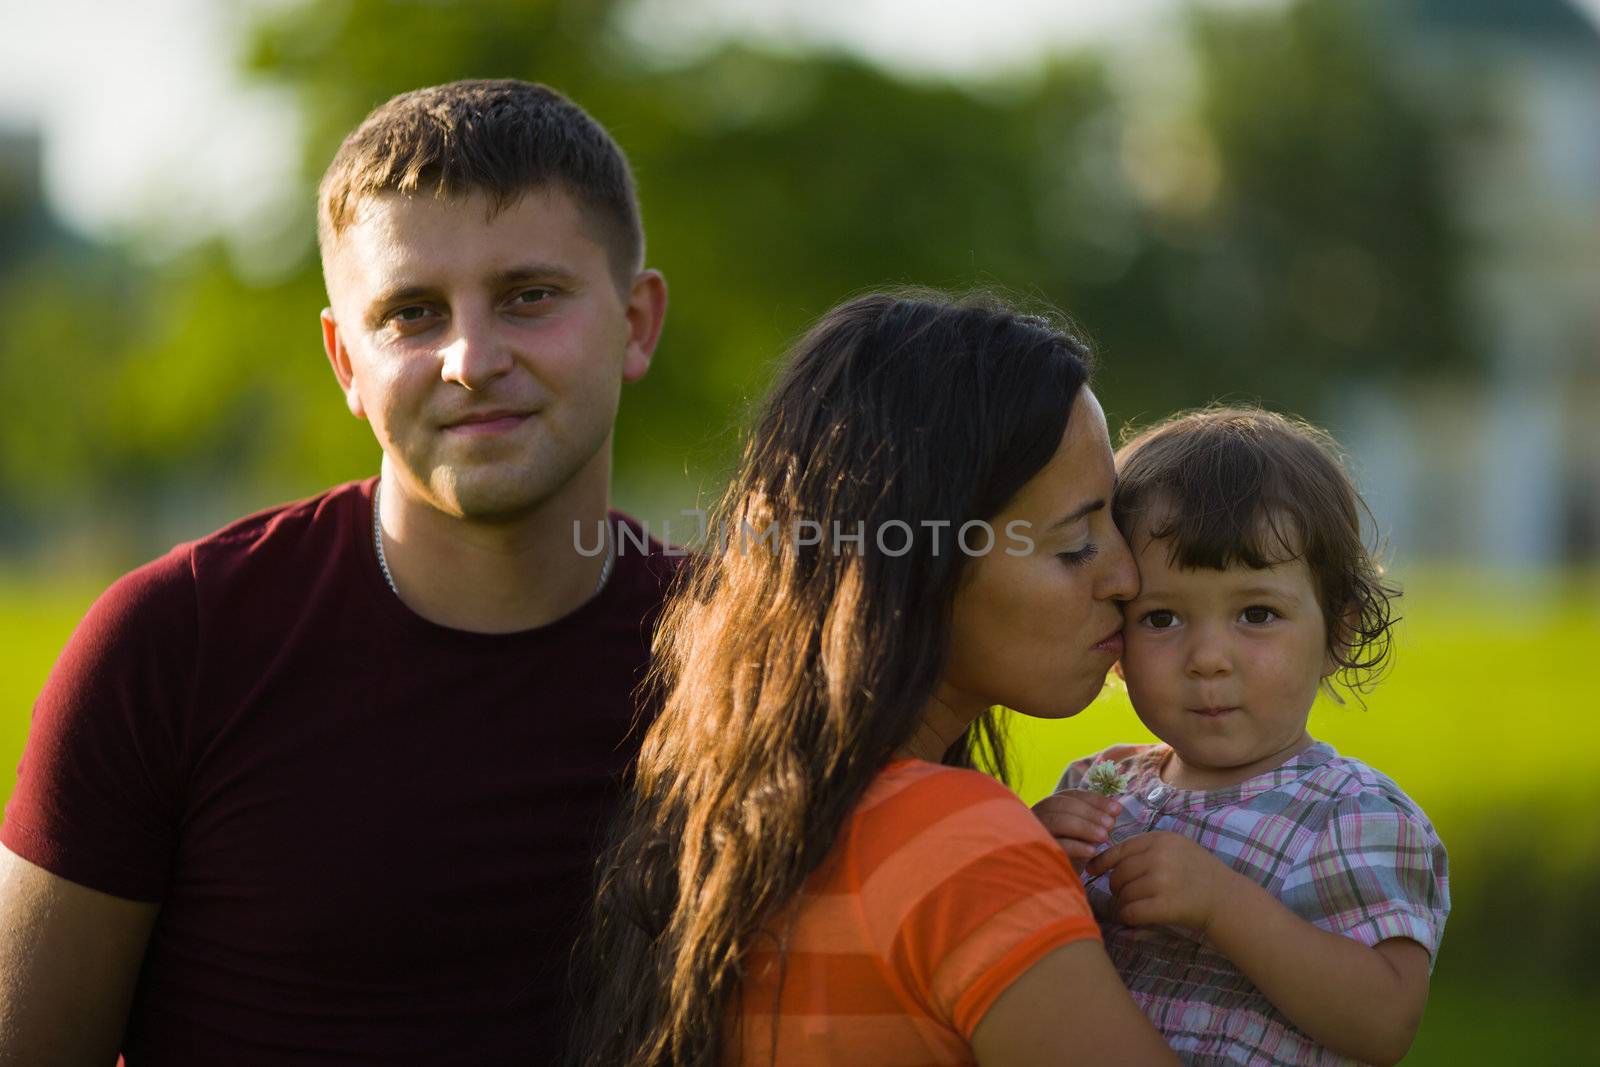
(371, 836)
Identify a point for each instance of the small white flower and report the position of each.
(1103, 778)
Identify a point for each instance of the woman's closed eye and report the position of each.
(1078, 557)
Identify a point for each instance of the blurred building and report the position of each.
(1506, 469)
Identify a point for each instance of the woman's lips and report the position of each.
(1110, 645)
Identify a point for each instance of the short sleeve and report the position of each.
(1377, 871)
(981, 896)
(96, 800)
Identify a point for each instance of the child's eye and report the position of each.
(1256, 615)
(1081, 556)
(1160, 619)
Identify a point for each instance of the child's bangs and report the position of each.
(1206, 534)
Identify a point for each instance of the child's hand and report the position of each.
(1162, 877)
(1079, 820)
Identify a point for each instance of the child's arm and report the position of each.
(1080, 820)
(1361, 1001)
(1083, 808)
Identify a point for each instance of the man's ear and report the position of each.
(646, 311)
(339, 356)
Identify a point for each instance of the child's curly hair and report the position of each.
(1227, 485)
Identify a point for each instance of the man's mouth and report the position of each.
(485, 423)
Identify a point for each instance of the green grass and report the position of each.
(35, 622)
(1486, 719)
(1476, 1021)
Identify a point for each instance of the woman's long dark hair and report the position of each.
(787, 673)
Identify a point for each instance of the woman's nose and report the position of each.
(1119, 578)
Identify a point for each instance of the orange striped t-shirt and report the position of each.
(941, 890)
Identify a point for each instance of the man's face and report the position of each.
(487, 351)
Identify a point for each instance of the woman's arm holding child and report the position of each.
(1358, 1000)
(1070, 1007)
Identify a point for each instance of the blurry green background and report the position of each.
(1383, 216)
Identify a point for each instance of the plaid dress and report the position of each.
(1330, 837)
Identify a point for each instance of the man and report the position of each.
(327, 785)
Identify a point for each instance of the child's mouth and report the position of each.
(1212, 713)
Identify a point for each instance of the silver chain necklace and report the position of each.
(383, 564)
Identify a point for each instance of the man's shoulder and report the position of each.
(303, 538)
(256, 550)
(308, 524)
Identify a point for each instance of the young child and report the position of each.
(1266, 900)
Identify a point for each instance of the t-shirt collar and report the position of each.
(1147, 779)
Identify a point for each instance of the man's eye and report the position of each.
(1257, 615)
(532, 296)
(410, 313)
(1160, 620)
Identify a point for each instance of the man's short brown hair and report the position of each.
(504, 138)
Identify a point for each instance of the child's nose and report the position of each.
(1208, 657)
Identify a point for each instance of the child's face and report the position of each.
(1223, 665)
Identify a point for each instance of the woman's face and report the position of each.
(1037, 631)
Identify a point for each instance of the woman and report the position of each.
(920, 529)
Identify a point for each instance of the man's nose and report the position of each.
(474, 355)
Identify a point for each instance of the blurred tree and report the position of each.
(66, 322)
(1298, 226)
(1282, 228)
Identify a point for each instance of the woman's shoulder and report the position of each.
(932, 836)
(956, 811)
(911, 785)
(901, 773)
(956, 885)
